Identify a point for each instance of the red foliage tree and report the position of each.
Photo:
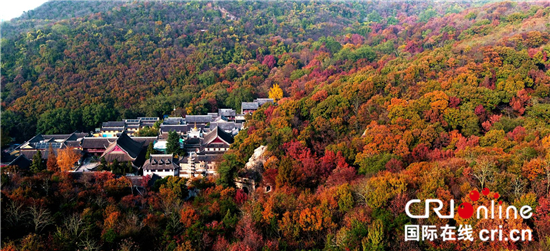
(420, 152)
(240, 196)
(269, 61)
(394, 165)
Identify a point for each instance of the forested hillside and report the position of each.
(144, 58)
(384, 102)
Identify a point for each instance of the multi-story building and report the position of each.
(111, 129)
(198, 165)
(163, 165)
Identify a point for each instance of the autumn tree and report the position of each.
(276, 93)
(51, 164)
(269, 61)
(177, 185)
(66, 158)
(375, 237)
(286, 174)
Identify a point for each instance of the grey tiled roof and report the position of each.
(218, 132)
(229, 126)
(227, 112)
(173, 121)
(134, 151)
(262, 101)
(93, 142)
(143, 119)
(176, 128)
(56, 136)
(208, 158)
(190, 119)
(160, 161)
(46, 145)
(132, 147)
(146, 140)
(113, 124)
(249, 105)
(21, 161)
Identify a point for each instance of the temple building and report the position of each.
(251, 107)
(230, 127)
(204, 152)
(200, 120)
(198, 165)
(176, 124)
(125, 149)
(96, 146)
(111, 129)
(163, 165)
(227, 114)
(21, 162)
(43, 142)
(204, 139)
(216, 141)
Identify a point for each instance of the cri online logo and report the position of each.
(466, 210)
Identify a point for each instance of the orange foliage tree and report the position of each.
(51, 164)
(66, 159)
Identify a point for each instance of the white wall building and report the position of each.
(163, 165)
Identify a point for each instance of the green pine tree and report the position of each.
(37, 164)
(103, 164)
(115, 167)
(173, 143)
(228, 170)
(150, 150)
(129, 167)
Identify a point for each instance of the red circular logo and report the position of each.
(465, 210)
(474, 195)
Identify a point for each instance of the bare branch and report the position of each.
(41, 217)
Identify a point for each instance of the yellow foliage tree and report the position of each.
(66, 158)
(276, 93)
